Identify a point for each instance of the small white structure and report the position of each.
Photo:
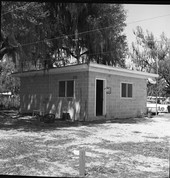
(86, 91)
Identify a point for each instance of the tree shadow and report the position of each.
(29, 123)
(135, 120)
(12, 120)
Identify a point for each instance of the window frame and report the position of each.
(126, 97)
(65, 94)
(64, 89)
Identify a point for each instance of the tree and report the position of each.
(7, 82)
(19, 22)
(82, 30)
(108, 44)
(62, 30)
(144, 52)
(151, 55)
(7, 46)
(164, 72)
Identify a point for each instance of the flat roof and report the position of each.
(120, 71)
(91, 67)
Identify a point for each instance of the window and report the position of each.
(70, 88)
(126, 89)
(62, 87)
(66, 88)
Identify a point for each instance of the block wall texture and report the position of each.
(116, 106)
(43, 92)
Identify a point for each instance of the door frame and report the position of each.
(104, 96)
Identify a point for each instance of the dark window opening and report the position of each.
(66, 88)
(62, 89)
(130, 90)
(70, 88)
(126, 89)
(123, 89)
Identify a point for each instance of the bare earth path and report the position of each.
(132, 148)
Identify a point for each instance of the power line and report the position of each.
(106, 52)
(148, 19)
(85, 32)
(90, 31)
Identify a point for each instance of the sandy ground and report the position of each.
(119, 148)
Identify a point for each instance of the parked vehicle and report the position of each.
(163, 104)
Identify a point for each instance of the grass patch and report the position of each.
(152, 149)
(52, 150)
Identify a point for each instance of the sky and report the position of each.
(157, 25)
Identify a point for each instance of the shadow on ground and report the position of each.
(13, 120)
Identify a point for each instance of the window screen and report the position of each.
(123, 89)
(70, 88)
(66, 88)
(130, 90)
(126, 89)
(62, 89)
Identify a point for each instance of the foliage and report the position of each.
(110, 39)
(18, 27)
(158, 89)
(164, 72)
(144, 53)
(7, 82)
(153, 56)
(32, 24)
(9, 102)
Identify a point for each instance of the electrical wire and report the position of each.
(85, 32)
(89, 31)
(148, 19)
(106, 52)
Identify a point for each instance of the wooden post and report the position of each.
(82, 163)
(169, 160)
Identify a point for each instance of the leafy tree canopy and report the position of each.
(151, 55)
(7, 82)
(49, 34)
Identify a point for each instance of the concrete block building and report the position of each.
(86, 91)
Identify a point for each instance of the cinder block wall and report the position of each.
(33, 92)
(43, 91)
(37, 91)
(117, 107)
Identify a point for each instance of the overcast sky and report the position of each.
(144, 12)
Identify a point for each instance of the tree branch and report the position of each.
(69, 51)
(84, 53)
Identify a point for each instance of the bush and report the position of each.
(10, 102)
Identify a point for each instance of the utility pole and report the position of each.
(77, 46)
(157, 82)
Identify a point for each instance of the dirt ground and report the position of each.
(128, 148)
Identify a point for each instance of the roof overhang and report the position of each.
(120, 71)
(59, 70)
(93, 67)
